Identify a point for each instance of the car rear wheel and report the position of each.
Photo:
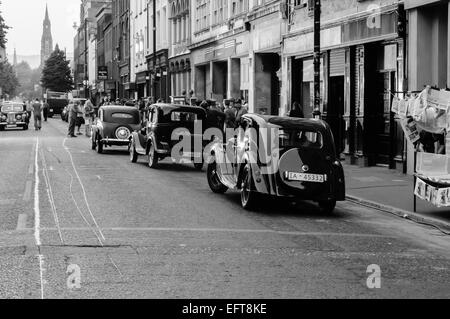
(99, 146)
(213, 179)
(327, 207)
(25, 127)
(133, 154)
(2, 128)
(152, 157)
(248, 197)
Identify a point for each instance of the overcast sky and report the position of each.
(26, 17)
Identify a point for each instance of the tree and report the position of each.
(3, 30)
(56, 75)
(8, 79)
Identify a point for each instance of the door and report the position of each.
(383, 138)
(336, 109)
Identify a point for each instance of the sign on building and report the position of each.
(102, 73)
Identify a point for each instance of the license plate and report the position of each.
(11, 126)
(302, 177)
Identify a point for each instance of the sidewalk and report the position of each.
(391, 191)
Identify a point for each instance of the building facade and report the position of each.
(46, 40)
(158, 51)
(121, 43)
(220, 46)
(363, 63)
(180, 39)
(139, 47)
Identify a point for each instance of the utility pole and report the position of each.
(154, 51)
(317, 12)
(86, 70)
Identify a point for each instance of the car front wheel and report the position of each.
(152, 157)
(248, 196)
(133, 154)
(213, 179)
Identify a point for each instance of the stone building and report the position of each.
(220, 48)
(179, 54)
(363, 65)
(157, 56)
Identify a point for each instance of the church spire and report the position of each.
(46, 13)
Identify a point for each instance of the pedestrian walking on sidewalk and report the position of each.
(37, 114)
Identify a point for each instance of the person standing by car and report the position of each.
(46, 108)
(230, 115)
(89, 114)
(72, 119)
(37, 114)
(240, 111)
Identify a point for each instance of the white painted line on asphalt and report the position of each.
(226, 230)
(37, 217)
(22, 222)
(37, 213)
(83, 189)
(27, 193)
(51, 197)
(41, 274)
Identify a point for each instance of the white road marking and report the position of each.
(41, 274)
(37, 218)
(27, 193)
(227, 230)
(99, 177)
(83, 189)
(51, 197)
(37, 213)
(22, 222)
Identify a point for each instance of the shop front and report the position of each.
(141, 84)
(221, 69)
(362, 66)
(180, 71)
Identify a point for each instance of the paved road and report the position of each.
(134, 232)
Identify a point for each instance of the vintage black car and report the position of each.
(114, 126)
(278, 156)
(13, 115)
(155, 140)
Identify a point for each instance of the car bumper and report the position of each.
(5, 124)
(117, 142)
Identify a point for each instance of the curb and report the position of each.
(404, 214)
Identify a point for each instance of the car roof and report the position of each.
(289, 122)
(166, 107)
(119, 108)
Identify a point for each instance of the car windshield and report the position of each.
(299, 138)
(12, 108)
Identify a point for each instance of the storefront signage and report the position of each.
(102, 73)
(304, 43)
(225, 50)
(141, 78)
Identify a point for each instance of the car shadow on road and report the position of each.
(279, 207)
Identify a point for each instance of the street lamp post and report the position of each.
(317, 12)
